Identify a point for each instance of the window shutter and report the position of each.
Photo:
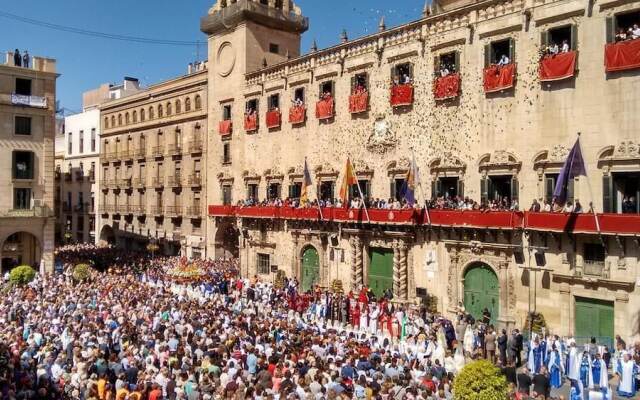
(487, 55)
(353, 83)
(457, 61)
(610, 29)
(392, 189)
(393, 72)
(433, 189)
(512, 50)
(544, 38)
(333, 88)
(436, 65)
(411, 72)
(515, 189)
(549, 186)
(460, 187)
(484, 190)
(320, 91)
(607, 203)
(366, 80)
(439, 188)
(574, 37)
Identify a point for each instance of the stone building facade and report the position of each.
(484, 132)
(152, 166)
(27, 134)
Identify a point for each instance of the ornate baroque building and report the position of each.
(482, 131)
(152, 166)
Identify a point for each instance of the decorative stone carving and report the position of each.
(475, 246)
(403, 276)
(396, 271)
(627, 149)
(512, 292)
(558, 153)
(382, 139)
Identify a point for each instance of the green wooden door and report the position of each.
(594, 318)
(481, 290)
(380, 270)
(310, 269)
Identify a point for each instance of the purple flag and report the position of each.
(574, 166)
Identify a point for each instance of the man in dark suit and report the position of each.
(519, 347)
(524, 382)
(502, 347)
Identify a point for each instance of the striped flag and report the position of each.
(306, 183)
(409, 186)
(348, 180)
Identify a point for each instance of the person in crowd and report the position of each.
(504, 60)
(541, 383)
(535, 206)
(565, 46)
(17, 58)
(621, 35)
(627, 371)
(635, 31)
(26, 59)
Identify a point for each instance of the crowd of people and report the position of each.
(556, 206)
(632, 32)
(137, 332)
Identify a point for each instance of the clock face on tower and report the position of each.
(226, 59)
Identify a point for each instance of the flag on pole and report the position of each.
(409, 185)
(349, 179)
(306, 184)
(574, 166)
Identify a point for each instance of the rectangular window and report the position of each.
(295, 190)
(22, 125)
(402, 74)
(559, 39)
(23, 87)
(500, 52)
(274, 102)
(326, 89)
(226, 153)
(226, 195)
(264, 264)
(594, 254)
(22, 198)
(81, 147)
(620, 25)
(326, 190)
(23, 165)
(447, 63)
(252, 106)
(274, 48)
(298, 96)
(252, 191)
(359, 83)
(93, 139)
(80, 223)
(70, 143)
(226, 112)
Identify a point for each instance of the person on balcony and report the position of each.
(444, 71)
(535, 206)
(504, 60)
(26, 59)
(629, 205)
(565, 46)
(17, 58)
(577, 207)
(568, 207)
(298, 102)
(635, 31)
(621, 35)
(553, 49)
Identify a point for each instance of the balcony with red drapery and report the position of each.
(556, 67)
(499, 77)
(273, 119)
(401, 95)
(251, 122)
(297, 114)
(622, 56)
(358, 102)
(324, 108)
(446, 87)
(224, 127)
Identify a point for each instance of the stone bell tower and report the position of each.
(244, 34)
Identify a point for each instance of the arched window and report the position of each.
(113, 121)
(169, 109)
(126, 119)
(198, 102)
(119, 119)
(178, 107)
(142, 117)
(187, 104)
(106, 122)
(151, 113)
(134, 115)
(160, 111)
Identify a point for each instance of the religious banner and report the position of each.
(297, 114)
(273, 119)
(499, 77)
(557, 67)
(446, 87)
(622, 56)
(324, 108)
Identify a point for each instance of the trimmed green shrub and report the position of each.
(480, 380)
(81, 272)
(22, 275)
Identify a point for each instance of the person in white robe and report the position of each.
(364, 318)
(468, 340)
(627, 371)
(573, 362)
(374, 313)
(599, 375)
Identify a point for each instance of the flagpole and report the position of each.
(426, 206)
(366, 212)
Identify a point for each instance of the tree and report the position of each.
(480, 380)
(21, 275)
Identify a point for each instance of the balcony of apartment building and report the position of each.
(175, 149)
(194, 211)
(157, 211)
(140, 153)
(24, 97)
(157, 151)
(173, 211)
(139, 183)
(174, 181)
(195, 146)
(158, 182)
(195, 180)
(124, 183)
(137, 210)
(112, 156)
(126, 155)
(92, 175)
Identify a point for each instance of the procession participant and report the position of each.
(599, 373)
(627, 371)
(585, 370)
(555, 368)
(573, 362)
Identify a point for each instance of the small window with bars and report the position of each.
(264, 264)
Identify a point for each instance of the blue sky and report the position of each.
(85, 62)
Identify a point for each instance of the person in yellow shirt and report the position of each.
(102, 388)
(122, 394)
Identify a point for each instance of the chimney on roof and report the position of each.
(131, 83)
(382, 26)
(343, 37)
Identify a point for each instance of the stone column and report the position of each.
(357, 265)
(295, 270)
(401, 267)
(452, 281)
(396, 270)
(503, 279)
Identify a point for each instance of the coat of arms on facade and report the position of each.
(382, 139)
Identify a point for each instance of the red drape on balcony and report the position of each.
(358, 102)
(557, 67)
(324, 108)
(622, 56)
(251, 122)
(273, 119)
(401, 95)
(446, 87)
(297, 114)
(498, 78)
(225, 127)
